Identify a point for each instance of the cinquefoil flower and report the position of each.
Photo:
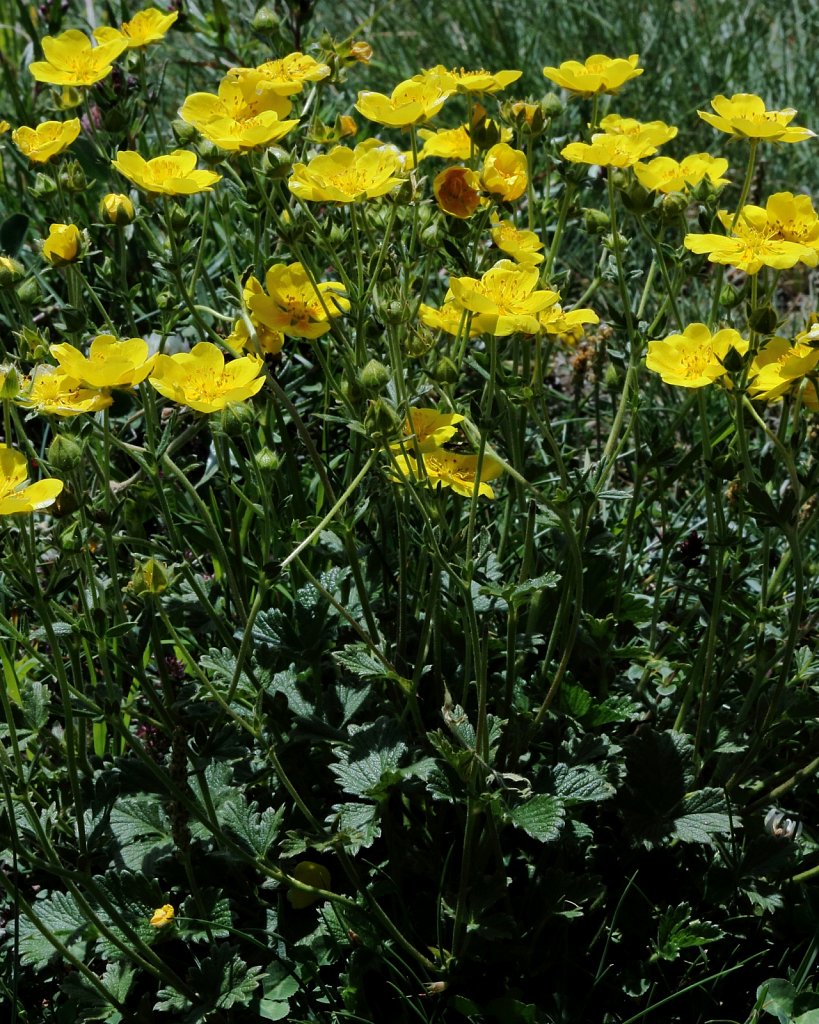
(745, 114)
(457, 191)
(440, 468)
(201, 380)
(72, 59)
(348, 175)
(284, 76)
(239, 116)
(48, 390)
(522, 245)
(608, 150)
(292, 304)
(15, 497)
(504, 300)
(694, 358)
(755, 242)
(780, 365)
(110, 363)
(655, 133)
(598, 74)
(427, 429)
(62, 245)
(411, 102)
(171, 175)
(48, 139)
(459, 80)
(504, 172)
(146, 27)
(662, 174)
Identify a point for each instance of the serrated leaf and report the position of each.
(703, 816)
(678, 930)
(59, 913)
(257, 829)
(581, 784)
(140, 827)
(356, 825)
(206, 917)
(358, 659)
(542, 817)
(288, 684)
(372, 760)
(575, 700)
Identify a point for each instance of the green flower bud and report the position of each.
(72, 177)
(382, 420)
(151, 577)
(210, 153)
(10, 271)
(673, 206)
(43, 186)
(266, 20)
(232, 420)
(763, 320)
(266, 460)
(552, 105)
(596, 222)
(613, 379)
(9, 383)
(374, 377)
(184, 133)
(446, 372)
(29, 292)
(179, 218)
(65, 453)
(729, 297)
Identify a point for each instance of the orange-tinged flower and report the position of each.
(754, 243)
(347, 175)
(48, 390)
(608, 150)
(203, 381)
(662, 174)
(655, 133)
(457, 191)
(780, 365)
(286, 75)
(522, 245)
(598, 74)
(294, 305)
(695, 358)
(440, 468)
(504, 172)
(146, 27)
(162, 916)
(411, 102)
(48, 139)
(745, 114)
(240, 116)
(62, 245)
(505, 299)
(110, 363)
(171, 175)
(72, 59)
(15, 497)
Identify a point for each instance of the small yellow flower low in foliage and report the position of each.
(745, 114)
(781, 364)
(695, 358)
(72, 59)
(203, 381)
(522, 245)
(440, 468)
(598, 74)
(427, 429)
(15, 497)
(162, 916)
(48, 139)
(146, 27)
(172, 175)
(504, 172)
(117, 209)
(292, 304)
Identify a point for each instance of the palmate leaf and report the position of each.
(356, 824)
(257, 829)
(141, 828)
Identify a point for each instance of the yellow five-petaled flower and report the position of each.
(72, 59)
(203, 381)
(171, 175)
(15, 497)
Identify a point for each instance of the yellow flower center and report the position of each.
(207, 385)
(696, 361)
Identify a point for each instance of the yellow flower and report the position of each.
(694, 358)
(411, 102)
(240, 338)
(655, 133)
(504, 300)
(504, 172)
(146, 27)
(567, 326)
(110, 363)
(453, 143)
(72, 59)
(4, 127)
(440, 468)
(201, 380)
(48, 139)
(598, 74)
(10, 271)
(49, 390)
(608, 150)
(793, 218)
(348, 175)
(239, 116)
(310, 873)
(780, 365)
(744, 114)
(286, 75)
(457, 191)
(523, 246)
(450, 318)
(471, 81)
(427, 429)
(662, 174)
(116, 208)
(14, 495)
(171, 175)
(292, 304)
(62, 245)
(162, 916)
(754, 243)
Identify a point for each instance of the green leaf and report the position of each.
(208, 917)
(13, 233)
(542, 817)
(35, 697)
(581, 784)
(356, 825)
(358, 659)
(779, 995)
(257, 829)
(678, 930)
(371, 763)
(703, 816)
(141, 828)
(60, 914)
(575, 700)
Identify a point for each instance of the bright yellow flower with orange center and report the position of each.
(285, 76)
(171, 175)
(62, 245)
(146, 27)
(203, 381)
(439, 468)
(457, 191)
(781, 365)
(411, 102)
(655, 133)
(505, 299)
(608, 150)
(597, 74)
(15, 497)
(48, 390)
(745, 114)
(427, 429)
(504, 172)
(522, 245)
(695, 358)
(293, 304)
(109, 364)
(459, 80)
(162, 916)
(347, 175)
(239, 116)
(72, 59)
(754, 243)
(48, 139)
(662, 174)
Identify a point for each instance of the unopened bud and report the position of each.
(10, 271)
(374, 377)
(184, 133)
(446, 372)
(116, 209)
(382, 420)
(152, 577)
(65, 453)
(267, 461)
(232, 420)
(72, 177)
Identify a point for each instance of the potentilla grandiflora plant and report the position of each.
(408, 500)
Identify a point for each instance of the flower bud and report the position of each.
(612, 378)
(65, 453)
(116, 209)
(184, 133)
(446, 372)
(361, 51)
(29, 292)
(152, 577)
(72, 177)
(43, 186)
(63, 244)
(232, 420)
(267, 461)
(552, 105)
(179, 218)
(763, 320)
(382, 420)
(374, 377)
(729, 297)
(10, 271)
(673, 206)
(596, 222)
(266, 20)
(210, 153)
